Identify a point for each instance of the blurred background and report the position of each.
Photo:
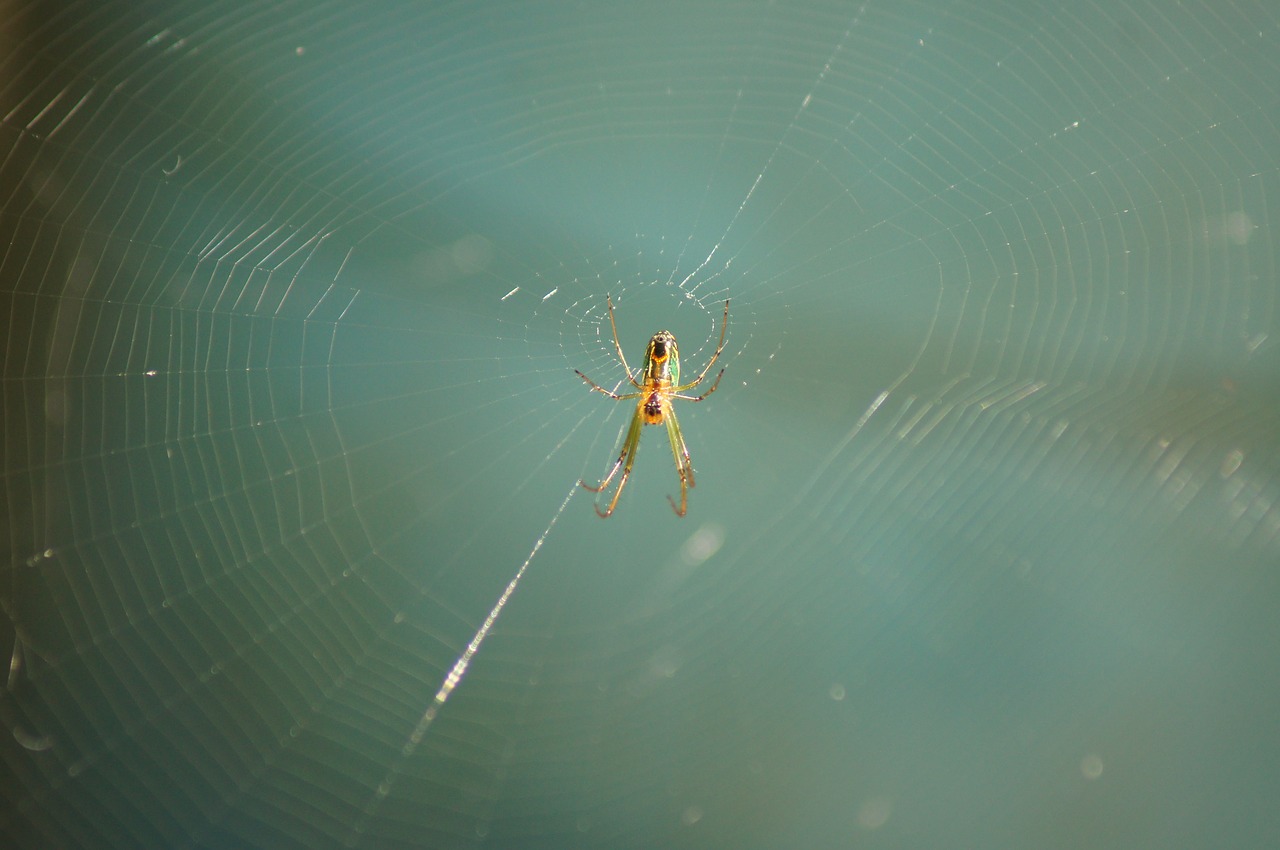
(985, 544)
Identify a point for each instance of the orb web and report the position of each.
(294, 300)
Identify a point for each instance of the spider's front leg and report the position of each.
(684, 466)
(626, 458)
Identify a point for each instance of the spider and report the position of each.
(659, 384)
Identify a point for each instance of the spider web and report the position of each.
(984, 541)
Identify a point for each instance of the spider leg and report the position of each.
(601, 389)
(714, 384)
(627, 456)
(684, 466)
(618, 345)
(724, 325)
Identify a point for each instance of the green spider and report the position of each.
(659, 384)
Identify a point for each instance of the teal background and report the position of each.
(984, 546)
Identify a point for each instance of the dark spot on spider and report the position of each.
(653, 407)
(659, 348)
